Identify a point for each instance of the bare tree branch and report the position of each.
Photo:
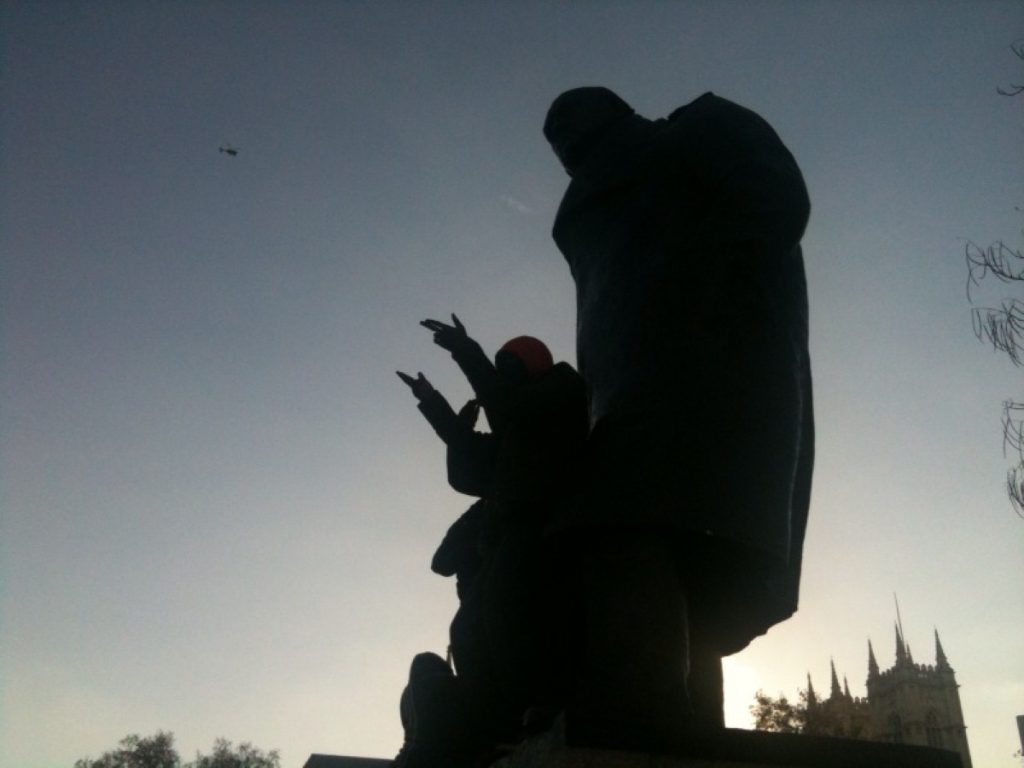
(1003, 328)
(1013, 441)
(1015, 488)
(1018, 50)
(1001, 261)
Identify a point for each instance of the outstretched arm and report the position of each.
(435, 408)
(488, 385)
(470, 456)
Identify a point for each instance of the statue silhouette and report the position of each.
(645, 517)
(682, 235)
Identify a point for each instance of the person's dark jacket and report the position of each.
(470, 454)
(538, 427)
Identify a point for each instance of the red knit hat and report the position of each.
(535, 356)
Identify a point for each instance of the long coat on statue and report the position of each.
(682, 235)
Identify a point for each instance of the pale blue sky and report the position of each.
(219, 504)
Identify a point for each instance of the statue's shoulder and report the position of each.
(710, 106)
(702, 103)
(713, 125)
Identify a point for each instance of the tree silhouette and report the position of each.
(158, 751)
(133, 752)
(1003, 326)
(842, 716)
(779, 715)
(244, 756)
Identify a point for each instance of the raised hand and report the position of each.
(469, 412)
(450, 337)
(421, 388)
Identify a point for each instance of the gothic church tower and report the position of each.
(917, 703)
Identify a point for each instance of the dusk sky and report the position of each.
(219, 504)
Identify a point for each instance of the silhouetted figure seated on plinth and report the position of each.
(524, 470)
(682, 235)
(434, 716)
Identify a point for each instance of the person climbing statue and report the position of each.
(525, 471)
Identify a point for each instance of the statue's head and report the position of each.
(578, 118)
(522, 358)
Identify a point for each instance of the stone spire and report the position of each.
(872, 664)
(902, 647)
(940, 656)
(846, 688)
(901, 652)
(811, 698)
(835, 693)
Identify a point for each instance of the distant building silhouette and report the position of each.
(906, 704)
(840, 714)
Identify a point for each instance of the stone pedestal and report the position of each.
(731, 748)
(341, 761)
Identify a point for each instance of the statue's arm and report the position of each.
(483, 377)
(767, 191)
(442, 417)
(486, 382)
(743, 171)
(470, 457)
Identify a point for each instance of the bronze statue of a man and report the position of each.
(683, 238)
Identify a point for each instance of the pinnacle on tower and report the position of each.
(872, 664)
(835, 692)
(811, 698)
(846, 688)
(940, 656)
(901, 653)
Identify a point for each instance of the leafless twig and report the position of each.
(1003, 328)
(1001, 261)
(1013, 90)
(1013, 440)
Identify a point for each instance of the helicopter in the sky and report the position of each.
(228, 150)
